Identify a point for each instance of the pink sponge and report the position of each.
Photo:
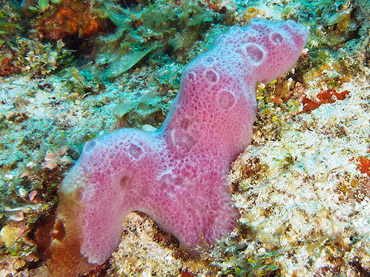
(178, 174)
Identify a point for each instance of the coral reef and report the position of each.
(56, 93)
(309, 202)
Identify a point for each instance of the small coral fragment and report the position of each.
(10, 235)
(327, 96)
(364, 165)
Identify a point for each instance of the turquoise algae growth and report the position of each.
(301, 187)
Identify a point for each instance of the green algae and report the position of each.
(123, 63)
(160, 27)
(240, 263)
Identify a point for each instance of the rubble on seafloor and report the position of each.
(302, 186)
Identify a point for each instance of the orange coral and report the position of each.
(186, 273)
(72, 18)
(364, 165)
(7, 67)
(327, 96)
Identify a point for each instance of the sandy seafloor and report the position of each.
(302, 187)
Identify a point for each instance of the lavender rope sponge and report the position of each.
(177, 174)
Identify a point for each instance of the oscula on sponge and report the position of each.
(178, 174)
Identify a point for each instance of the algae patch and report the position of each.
(120, 65)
